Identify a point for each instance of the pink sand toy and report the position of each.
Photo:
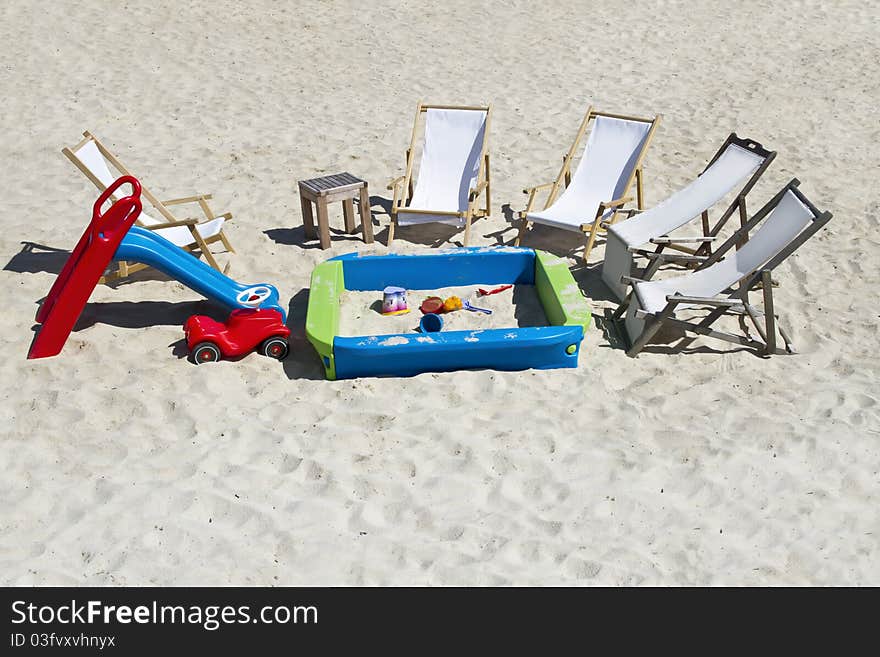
(394, 301)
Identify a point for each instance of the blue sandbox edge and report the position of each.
(427, 271)
(535, 347)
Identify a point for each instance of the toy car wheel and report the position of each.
(205, 352)
(276, 348)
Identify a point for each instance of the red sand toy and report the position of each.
(485, 293)
(432, 306)
(246, 329)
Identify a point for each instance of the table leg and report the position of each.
(366, 215)
(308, 218)
(323, 222)
(348, 213)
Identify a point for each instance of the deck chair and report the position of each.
(599, 188)
(736, 161)
(453, 173)
(789, 220)
(92, 158)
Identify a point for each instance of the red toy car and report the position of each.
(245, 330)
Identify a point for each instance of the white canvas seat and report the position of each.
(737, 160)
(89, 155)
(789, 219)
(598, 189)
(98, 165)
(453, 172)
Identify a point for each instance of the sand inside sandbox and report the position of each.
(516, 307)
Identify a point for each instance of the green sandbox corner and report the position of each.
(322, 318)
(564, 303)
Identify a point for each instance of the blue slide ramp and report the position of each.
(144, 246)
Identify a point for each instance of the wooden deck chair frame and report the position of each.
(738, 301)
(199, 243)
(405, 182)
(709, 233)
(591, 229)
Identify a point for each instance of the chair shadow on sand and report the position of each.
(668, 340)
(563, 244)
(433, 235)
(36, 258)
(297, 237)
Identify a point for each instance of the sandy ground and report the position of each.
(693, 464)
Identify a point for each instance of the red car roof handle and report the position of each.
(121, 215)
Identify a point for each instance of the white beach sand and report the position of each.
(125, 464)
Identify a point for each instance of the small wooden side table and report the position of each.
(329, 189)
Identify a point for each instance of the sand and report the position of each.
(697, 464)
(361, 312)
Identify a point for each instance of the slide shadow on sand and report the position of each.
(302, 362)
(142, 314)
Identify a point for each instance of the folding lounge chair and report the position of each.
(737, 160)
(94, 160)
(599, 188)
(454, 170)
(789, 221)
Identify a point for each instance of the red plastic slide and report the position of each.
(84, 267)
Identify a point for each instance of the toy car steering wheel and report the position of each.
(253, 296)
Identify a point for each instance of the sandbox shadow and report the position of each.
(527, 307)
(303, 361)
